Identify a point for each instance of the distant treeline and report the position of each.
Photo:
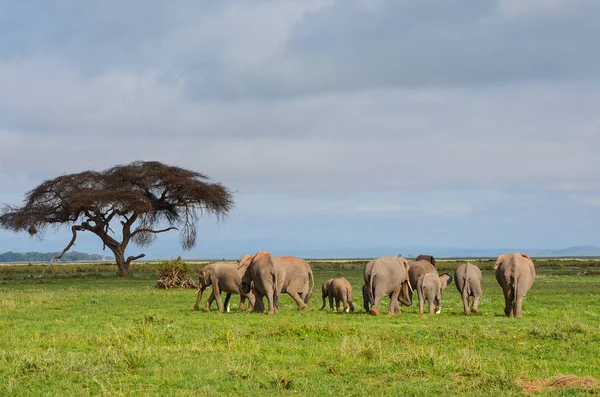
(46, 256)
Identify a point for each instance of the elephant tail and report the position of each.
(466, 281)
(514, 302)
(311, 279)
(372, 290)
(276, 291)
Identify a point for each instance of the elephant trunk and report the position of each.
(405, 294)
(200, 291)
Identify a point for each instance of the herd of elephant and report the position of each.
(255, 277)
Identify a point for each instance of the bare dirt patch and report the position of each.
(566, 381)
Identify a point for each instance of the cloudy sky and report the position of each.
(339, 124)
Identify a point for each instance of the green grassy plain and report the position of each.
(106, 335)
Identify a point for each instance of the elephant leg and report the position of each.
(217, 295)
(421, 301)
(475, 307)
(431, 306)
(508, 303)
(337, 305)
(241, 306)
(251, 299)
(324, 304)
(365, 298)
(226, 304)
(331, 302)
(351, 306)
(394, 305)
(518, 306)
(259, 304)
(375, 309)
(298, 299)
(465, 299)
(271, 303)
(209, 302)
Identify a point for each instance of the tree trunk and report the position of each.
(121, 262)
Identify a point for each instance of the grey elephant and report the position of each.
(515, 274)
(384, 277)
(429, 288)
(340, 290)
(468, 281)
(269, 276)
(416, 270)
(428, 258)
(224, 277)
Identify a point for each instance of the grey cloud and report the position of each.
(234, 50)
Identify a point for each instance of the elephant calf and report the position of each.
(468, 282)
(429, 288)
(515, 273)
(420, 268)
(340, 290)
(224, 277)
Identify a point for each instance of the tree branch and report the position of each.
(152, 231)
(134, 258)
(74, 229)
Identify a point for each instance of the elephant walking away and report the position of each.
(340, 290)
(416, 270)
(429, 288)
(468, 281)
(269, 276)
(515, 273)
(224, 277)
(384, 277)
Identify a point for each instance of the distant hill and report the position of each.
(46, 256)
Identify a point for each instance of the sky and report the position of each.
(339, 125)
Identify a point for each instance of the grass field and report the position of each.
(106, 335)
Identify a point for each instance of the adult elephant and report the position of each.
(224, 277)
(269, 276)
(416, 270)
(384, 277)
(515, 274)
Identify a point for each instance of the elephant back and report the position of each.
(419, 268)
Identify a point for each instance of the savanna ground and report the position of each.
(80, 330)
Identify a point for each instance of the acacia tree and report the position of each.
(143, 199)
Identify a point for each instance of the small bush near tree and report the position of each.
(172, 274)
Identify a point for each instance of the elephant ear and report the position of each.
(245, 260)
(445, 280)
(500, 259)
(205, 275)
(325, 286)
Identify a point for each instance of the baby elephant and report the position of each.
(468, 282)
(430, 287)
(340, 290)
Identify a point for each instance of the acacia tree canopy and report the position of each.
(145, 198)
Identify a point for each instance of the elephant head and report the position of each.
(245, 264)
(428, 258)
(206, 279)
